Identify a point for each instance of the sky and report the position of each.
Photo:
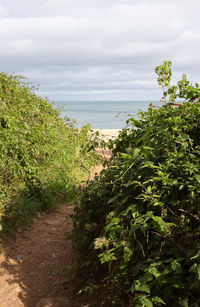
(99, 49)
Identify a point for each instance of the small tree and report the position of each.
(164, 73)
(186, 90)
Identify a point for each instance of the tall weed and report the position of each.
(42, 157)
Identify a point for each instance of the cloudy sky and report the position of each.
(99, 49)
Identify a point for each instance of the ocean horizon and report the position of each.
(102, 114)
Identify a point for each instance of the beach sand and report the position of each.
(106, 134)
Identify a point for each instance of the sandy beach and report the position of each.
(107, 134)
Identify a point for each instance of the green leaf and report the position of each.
(152, 269)
(115, 221)
(198, 271)
(111, 200)
(142, 301)
(176, 266)
(184, 302)
(147, 302)
(139, 286)
(164, 227)
(137, 123)
(197, 177)
(139, 140)
(157, 299)
(167, 270)
(136, 151)
(177, 284)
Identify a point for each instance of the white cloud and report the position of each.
(91, 47)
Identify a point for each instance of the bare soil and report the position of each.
(34, 265)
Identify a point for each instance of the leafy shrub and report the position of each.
(138, 223)
(42, 156)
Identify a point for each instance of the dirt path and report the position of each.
(33, 265)
(36, 264)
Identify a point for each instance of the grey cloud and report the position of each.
(98, 47)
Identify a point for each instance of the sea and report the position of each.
(102, 114)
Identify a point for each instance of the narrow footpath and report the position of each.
(35, 267)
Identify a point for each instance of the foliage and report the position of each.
(186, 90)
(42, 157)
(138, 223)
(164, 73)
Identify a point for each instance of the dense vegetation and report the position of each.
(42, 156)
(137, 226)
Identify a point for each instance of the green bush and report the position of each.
(137, 227)
(42, 156)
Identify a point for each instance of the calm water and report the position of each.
(101, 114)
